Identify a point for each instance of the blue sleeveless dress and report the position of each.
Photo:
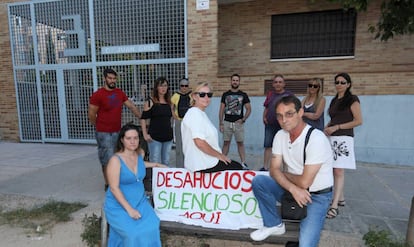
(125, 231)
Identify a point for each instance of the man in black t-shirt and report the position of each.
(232, 117)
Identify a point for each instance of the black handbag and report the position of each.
(290, 209)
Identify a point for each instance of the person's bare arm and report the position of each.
(265, 115)
(356, 112)
(131, 106)
(92, 111)
(153, 164)
(317, 114)
(175, 116)
(143, 123)
(206, 148)
(248, 107)
(221, 116)
(297, 185)
(305, 180)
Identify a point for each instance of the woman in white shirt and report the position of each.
(201, 147)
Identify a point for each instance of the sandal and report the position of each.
(332, 213)
(341, 203)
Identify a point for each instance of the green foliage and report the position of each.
(397, 17)
(381, 238)
(42, 217)
(92, 232)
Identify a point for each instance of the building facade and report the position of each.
(216, 39)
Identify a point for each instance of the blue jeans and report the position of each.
(160, 151)
(270, 132)
(267, 191)
(106, 145)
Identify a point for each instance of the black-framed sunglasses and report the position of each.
(203, 94)
(341, 82)
(313, 86)
(183, 85)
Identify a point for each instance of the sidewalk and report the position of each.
(376, 195)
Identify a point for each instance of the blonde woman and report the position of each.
(201, 147)
(314, 104)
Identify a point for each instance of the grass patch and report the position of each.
(92, 230)
(382, 238)
(41, 218)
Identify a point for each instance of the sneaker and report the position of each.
(245, 166)
(265, 232)
(263, 169)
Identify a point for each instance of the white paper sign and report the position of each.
(221, 200)
(203, 4)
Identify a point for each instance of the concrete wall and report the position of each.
(386, 136)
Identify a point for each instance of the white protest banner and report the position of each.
(221, 200)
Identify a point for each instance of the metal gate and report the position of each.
(60, 49)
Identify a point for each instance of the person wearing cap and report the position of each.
(181, 103)
(232, 117)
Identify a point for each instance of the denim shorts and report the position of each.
(270, 132)
(106, 145)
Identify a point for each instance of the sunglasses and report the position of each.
(203, 94)
(183, 85)
(313, 86)
(340, 82)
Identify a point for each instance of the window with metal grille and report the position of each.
(313, 34)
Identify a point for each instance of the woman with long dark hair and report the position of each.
(131, 218)
(159, 134)
(345, 113)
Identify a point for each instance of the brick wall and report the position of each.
(378, 68)
(202, 42)
(9, 124)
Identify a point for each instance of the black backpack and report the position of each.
(183, 104)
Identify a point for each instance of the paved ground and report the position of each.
(376, 195)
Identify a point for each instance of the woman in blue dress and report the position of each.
(132, 220)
